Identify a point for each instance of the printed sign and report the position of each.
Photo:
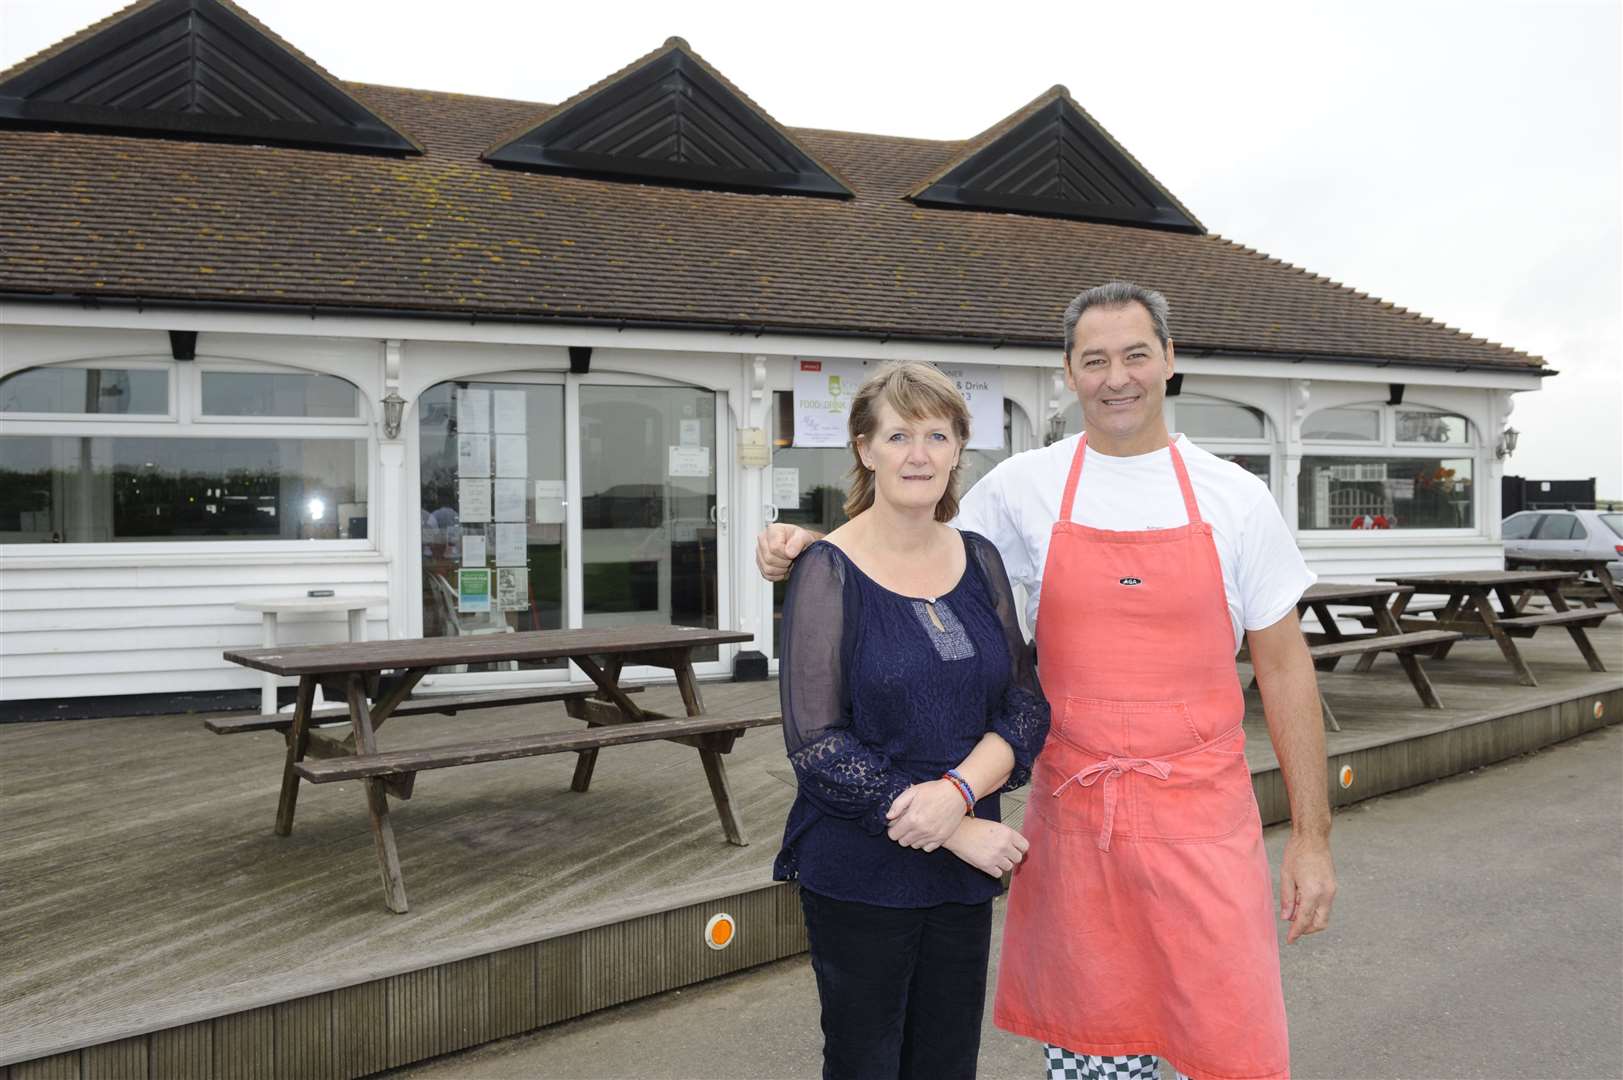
(786, 489)
(689, 461)
(982, 388)
(512, 589)
(473, 590)
(823, 393)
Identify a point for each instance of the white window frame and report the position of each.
(1388, 447)
(194, 396)
(182, 422)
(1266, 445)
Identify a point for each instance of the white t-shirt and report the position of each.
(1016, 504)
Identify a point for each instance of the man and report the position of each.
(1139, 923)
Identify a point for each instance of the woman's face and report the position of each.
(911, 460)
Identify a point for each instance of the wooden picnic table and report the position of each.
(353, 672)
(1605, 586)
(1330, 644)
(1469, 609)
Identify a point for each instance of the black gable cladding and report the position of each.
(1057, 162)
(193, 68)
(672, 121)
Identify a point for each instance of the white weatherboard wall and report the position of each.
(139, 624)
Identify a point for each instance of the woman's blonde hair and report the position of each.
(917, 391)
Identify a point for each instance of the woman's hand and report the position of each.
(989, 846)
(925, 814)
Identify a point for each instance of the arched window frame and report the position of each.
(185, 419)
(1388, 446)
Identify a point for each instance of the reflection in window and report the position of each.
(1344, 425)
(1519, 526)
(258, 393)
(1208, 418)
(68, 489)
(117, 391)
(1431, 427)
(1385, 493)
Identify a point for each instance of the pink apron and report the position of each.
(1141, 921)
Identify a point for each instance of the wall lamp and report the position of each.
(394, 407)
(1507, 443)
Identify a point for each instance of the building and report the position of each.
(526, 366)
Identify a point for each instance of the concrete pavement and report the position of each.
(1478, 933)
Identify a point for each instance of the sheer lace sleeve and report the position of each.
(1023, 719)
(838, 773)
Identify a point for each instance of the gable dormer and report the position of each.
(669, 118)
(1051, 158)
(191, 68)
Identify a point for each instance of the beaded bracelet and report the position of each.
(963, 787)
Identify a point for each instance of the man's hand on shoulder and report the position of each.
(1307, 885)
(778, 546)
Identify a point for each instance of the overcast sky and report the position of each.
(1459, 159)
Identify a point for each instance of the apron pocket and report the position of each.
(1206, 796)
(1143, 728)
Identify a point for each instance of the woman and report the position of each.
(909, 701)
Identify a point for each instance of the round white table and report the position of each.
(269, 607)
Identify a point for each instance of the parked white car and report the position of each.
(1594, 533)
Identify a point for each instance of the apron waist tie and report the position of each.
(1109, 769)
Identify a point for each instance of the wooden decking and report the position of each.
(135, 902)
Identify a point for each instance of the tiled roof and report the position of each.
(124, 216)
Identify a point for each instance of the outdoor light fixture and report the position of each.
(1507, 443)
(394, 406)
(1056, 429)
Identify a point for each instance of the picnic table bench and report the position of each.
(1604, 591)
(355, 672)
(1469, 610)
(1329, 645)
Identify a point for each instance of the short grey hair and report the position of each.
(1115, 294)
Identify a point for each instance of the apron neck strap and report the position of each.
(1184, 485)
(1188, 490)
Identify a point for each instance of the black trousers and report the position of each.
(902, 989)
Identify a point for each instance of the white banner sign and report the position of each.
(823, 393)
(982, 388)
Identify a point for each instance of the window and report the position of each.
(1519, 526)
(1613, 522)
(1431, 427)
(1397, 480)
(1561, 527)
(261, 393)
(87, 390)
(1208, 418)
(76, 466)
(1343, 425)
(1385, 493)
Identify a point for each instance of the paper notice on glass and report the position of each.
(473, 455)
(473, 500)
(823, 393)
(472, 412)
(510, 412)
(510, 544)
(510, 494)
(786, 489)
(689, 461)
(512, 455)
(512, 589)
(549, 502)
(473, 590)
(982, 388)
(473, 547)
(692, 432)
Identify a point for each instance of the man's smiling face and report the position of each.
(1119, 370)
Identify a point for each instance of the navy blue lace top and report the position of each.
(876, 698)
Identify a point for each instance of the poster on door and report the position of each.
(823, 393)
